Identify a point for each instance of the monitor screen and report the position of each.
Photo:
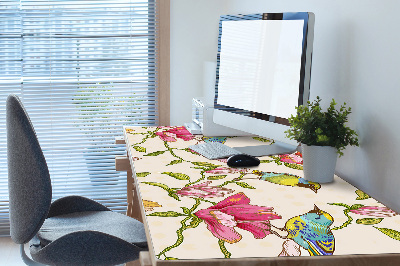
(260, 63)
(263, 71)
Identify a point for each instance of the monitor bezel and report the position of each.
(305, 69)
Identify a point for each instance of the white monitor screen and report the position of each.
(260, 63)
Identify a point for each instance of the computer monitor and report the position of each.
(263, 72)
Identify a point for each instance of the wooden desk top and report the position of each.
(200, 209)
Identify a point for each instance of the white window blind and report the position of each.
(83, 69)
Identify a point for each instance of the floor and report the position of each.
(9, 253)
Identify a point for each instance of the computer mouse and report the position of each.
(242, 160)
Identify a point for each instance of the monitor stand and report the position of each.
(267, 150)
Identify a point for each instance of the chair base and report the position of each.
(26, 259)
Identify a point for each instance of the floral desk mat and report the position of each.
(201, 209)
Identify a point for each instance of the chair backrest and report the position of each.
(29, 183)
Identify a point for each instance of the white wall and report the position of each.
(355, 60)
(194, 41)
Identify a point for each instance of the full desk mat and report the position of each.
(202, 209)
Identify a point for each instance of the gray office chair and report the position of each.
(70, 231)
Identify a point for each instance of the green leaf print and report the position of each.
(204, 164)
(179, 176)
(390, 233)
(361, 195)
(139, 148)
(185, 210)
(294, 166)
(369, 221)
(175, 162)
(165, 187)
(216, 177)
(356, 206)
(173, 195)
(142, 174)
(166, 214)
(244, 185)
(262, 139)
(156, 153)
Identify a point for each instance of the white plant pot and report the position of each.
(319, 163)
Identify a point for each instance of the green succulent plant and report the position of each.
(312, 126)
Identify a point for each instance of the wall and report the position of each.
(355, 60)
(194, 41)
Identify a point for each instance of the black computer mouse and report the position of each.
(242, 160)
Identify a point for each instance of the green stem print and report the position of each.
(178, 242)
(171, 151)
(235, 181)
(375, 215)
(171, 191)
(224, 251)
(213, 203)
(203, 176)
(195, 221)
(147, 135)
(158, 132)
(204, 168)
(346, 211)
(368, 210)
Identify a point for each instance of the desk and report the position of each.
(201, 212)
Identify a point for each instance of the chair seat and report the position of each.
(108, 222)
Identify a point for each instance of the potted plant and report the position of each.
(323, 136)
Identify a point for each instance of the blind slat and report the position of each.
(83, 69)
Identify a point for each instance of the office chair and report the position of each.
(70, 231)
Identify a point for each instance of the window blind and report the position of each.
(83, 69)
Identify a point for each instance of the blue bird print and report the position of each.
(285, 179)
(215, 139)
(311, 231)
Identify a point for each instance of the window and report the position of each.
(83, 69)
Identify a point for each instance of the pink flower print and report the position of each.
(226, 170)
(173, 133)
(296, 158)
(203, 190)
(374, 211)
(236, 211)
(166, 136)
(182, 133)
